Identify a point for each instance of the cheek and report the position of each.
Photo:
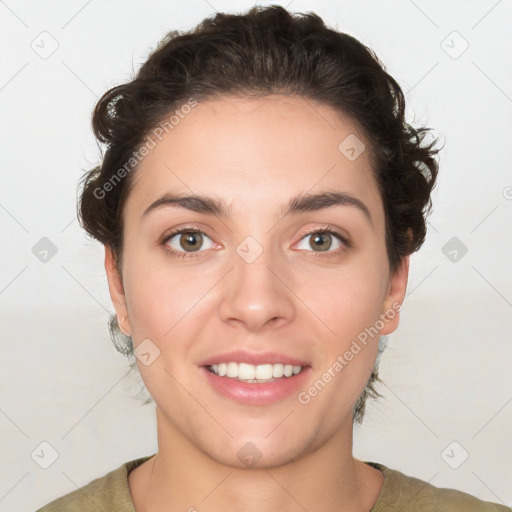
(163, 298)
(350, 307)
(345, 300)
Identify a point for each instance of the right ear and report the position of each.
(116, 288)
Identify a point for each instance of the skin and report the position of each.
(255, 154)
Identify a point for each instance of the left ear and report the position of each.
(395, 297)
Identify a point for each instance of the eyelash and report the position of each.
(323, 230)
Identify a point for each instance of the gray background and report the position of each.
(446, 370)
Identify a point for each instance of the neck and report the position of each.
(182, 478)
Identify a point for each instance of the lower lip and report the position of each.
(257, 394)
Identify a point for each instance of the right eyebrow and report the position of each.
(195, 203)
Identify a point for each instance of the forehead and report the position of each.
(257, 152)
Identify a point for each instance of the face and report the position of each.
(255, 270)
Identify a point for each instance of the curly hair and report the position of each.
(267, 50)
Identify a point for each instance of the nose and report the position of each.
(256, 296)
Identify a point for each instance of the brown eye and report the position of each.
(322, 241)
(189, 241)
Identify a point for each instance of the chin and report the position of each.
(260, 451)
(252, 455)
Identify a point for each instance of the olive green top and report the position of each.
(110, 493)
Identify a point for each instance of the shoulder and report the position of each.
(403, 492)
(109, 492)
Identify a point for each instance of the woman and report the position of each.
(258, 202)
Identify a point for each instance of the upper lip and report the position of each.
(241, 356)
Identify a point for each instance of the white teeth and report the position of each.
(263, 371)
(232, 370)
(277, 370)
(255, 373)
(246, 371)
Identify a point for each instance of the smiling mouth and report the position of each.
(254, 374)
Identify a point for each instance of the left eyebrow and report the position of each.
(298, 204)
(315, 202)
